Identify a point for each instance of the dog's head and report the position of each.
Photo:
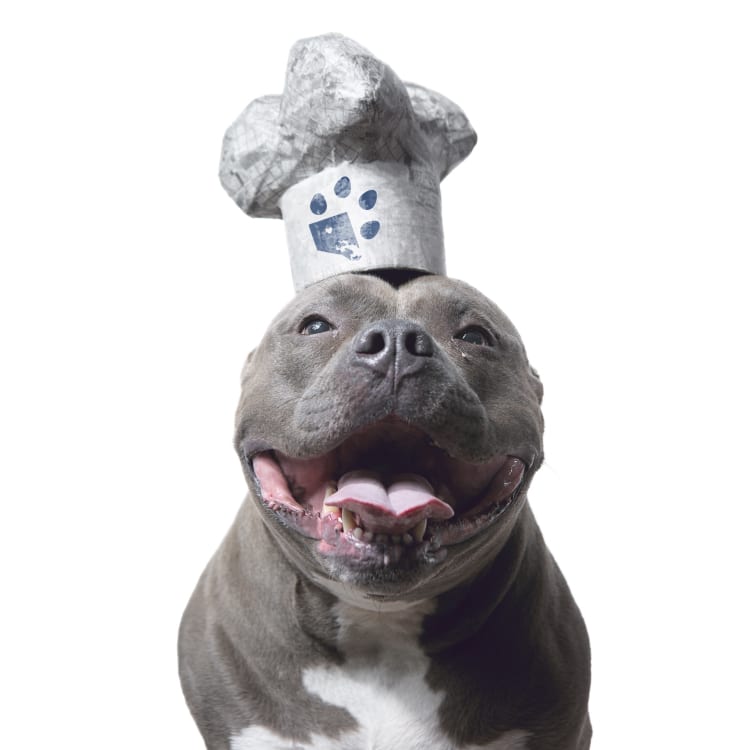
(389, 433)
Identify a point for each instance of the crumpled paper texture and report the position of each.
(340, 105)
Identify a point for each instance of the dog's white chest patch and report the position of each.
(382, 685)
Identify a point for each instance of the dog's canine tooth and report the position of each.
(347, 519)
(328, 510)
(420, 529)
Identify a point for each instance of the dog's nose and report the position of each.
(398, 345)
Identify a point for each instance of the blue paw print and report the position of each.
(335, 234)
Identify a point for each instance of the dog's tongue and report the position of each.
(396, 509)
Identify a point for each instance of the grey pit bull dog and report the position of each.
(385, 584)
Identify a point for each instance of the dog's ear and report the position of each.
(536, 383)
(246, 366)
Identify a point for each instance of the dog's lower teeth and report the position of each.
(350, 525)
(329, 510)
(420, 529)
(347, 519)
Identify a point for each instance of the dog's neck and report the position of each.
(441, 621)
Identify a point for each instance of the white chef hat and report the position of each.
(351, 158)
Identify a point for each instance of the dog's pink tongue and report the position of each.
(395, 510)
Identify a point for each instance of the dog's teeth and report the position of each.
(358, 533)
(367, 536)
(407, 539)
(395, 539)
(420, 529)
(382, 539)
(331, 487)
(347, 519)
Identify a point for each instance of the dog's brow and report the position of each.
(462, 309)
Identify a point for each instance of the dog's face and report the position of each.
(389, 434)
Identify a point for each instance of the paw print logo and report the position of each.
(335, 234)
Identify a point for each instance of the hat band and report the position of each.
(360, 217)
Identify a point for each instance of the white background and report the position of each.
(605, 209)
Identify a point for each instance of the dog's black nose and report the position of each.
(398, 345)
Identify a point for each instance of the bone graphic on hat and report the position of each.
(351, 158)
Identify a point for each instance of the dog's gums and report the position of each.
(386, 489)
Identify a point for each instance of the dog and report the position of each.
(385, 584)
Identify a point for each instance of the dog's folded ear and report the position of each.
(246, 366)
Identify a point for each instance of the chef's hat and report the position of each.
(351, 158)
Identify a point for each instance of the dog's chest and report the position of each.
(382, 684)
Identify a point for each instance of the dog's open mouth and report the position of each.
(387, 488)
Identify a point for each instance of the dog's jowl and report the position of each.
(384, 585)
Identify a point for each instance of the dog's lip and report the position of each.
(295, 489)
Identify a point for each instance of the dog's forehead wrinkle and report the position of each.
(456, 300)
(343, 300)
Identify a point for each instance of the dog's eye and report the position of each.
(475, 335)
(311, 326)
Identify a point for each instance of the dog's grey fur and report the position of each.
(506, 644)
